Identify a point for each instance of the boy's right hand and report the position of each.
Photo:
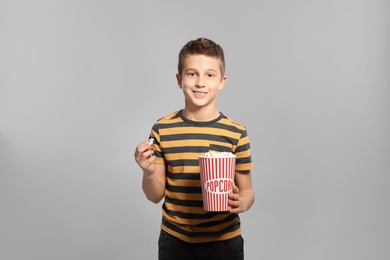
(144, 156)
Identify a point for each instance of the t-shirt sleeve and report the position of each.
(156, 145)
(243, 153)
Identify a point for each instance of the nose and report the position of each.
(199, 82)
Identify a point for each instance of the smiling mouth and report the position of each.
(201, 94)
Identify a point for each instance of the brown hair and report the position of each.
(202, 46)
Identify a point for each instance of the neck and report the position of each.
(201, 115)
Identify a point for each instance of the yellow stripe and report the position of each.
(182, 156)
(244, 140)
(185, 209)
(192, 228)
(192, 142)
(168, 118)
(183, 169)
(243, 154)
(230, 122)
(202, 239)
(199, 130)
(183, 222)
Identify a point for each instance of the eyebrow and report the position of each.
(209, 69)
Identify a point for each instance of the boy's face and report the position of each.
(201, 80)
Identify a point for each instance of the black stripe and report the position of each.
(197, 149)
(183, 176)
(188, 203)
(207, 215)
(243, 147)
(183, 162)
(188, 215)
(229, 127)
(187, 149)
(244, 160)
(230, 217)
(158, 154)
(198, 136)
(183, 189)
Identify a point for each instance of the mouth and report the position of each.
(199, 94)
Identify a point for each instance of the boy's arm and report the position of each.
(153, 184)
(153, 181)
(242, 197)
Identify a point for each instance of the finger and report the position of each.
(150, 157)
(235, 210)
(147, 155)
(142, 156)
(146, 163)
(234, 196)
(142, 147)
(234, 207)
(234, 203)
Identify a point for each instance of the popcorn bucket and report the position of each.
(217, 178)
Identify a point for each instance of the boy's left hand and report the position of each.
(234, 201)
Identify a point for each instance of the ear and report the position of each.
(222, 83)
(178, 78)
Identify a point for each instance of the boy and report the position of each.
(171, 169)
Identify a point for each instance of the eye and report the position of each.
(191, 74)
(210, 75)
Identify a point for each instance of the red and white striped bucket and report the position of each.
(217, 178)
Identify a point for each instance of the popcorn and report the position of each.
(216, 154)
(217, 172)
(151, 140)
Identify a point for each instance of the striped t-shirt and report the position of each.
(178, 143)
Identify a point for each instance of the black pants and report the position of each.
(172, 248)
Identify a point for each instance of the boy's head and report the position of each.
(202, 46)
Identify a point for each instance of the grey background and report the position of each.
(82, 82)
